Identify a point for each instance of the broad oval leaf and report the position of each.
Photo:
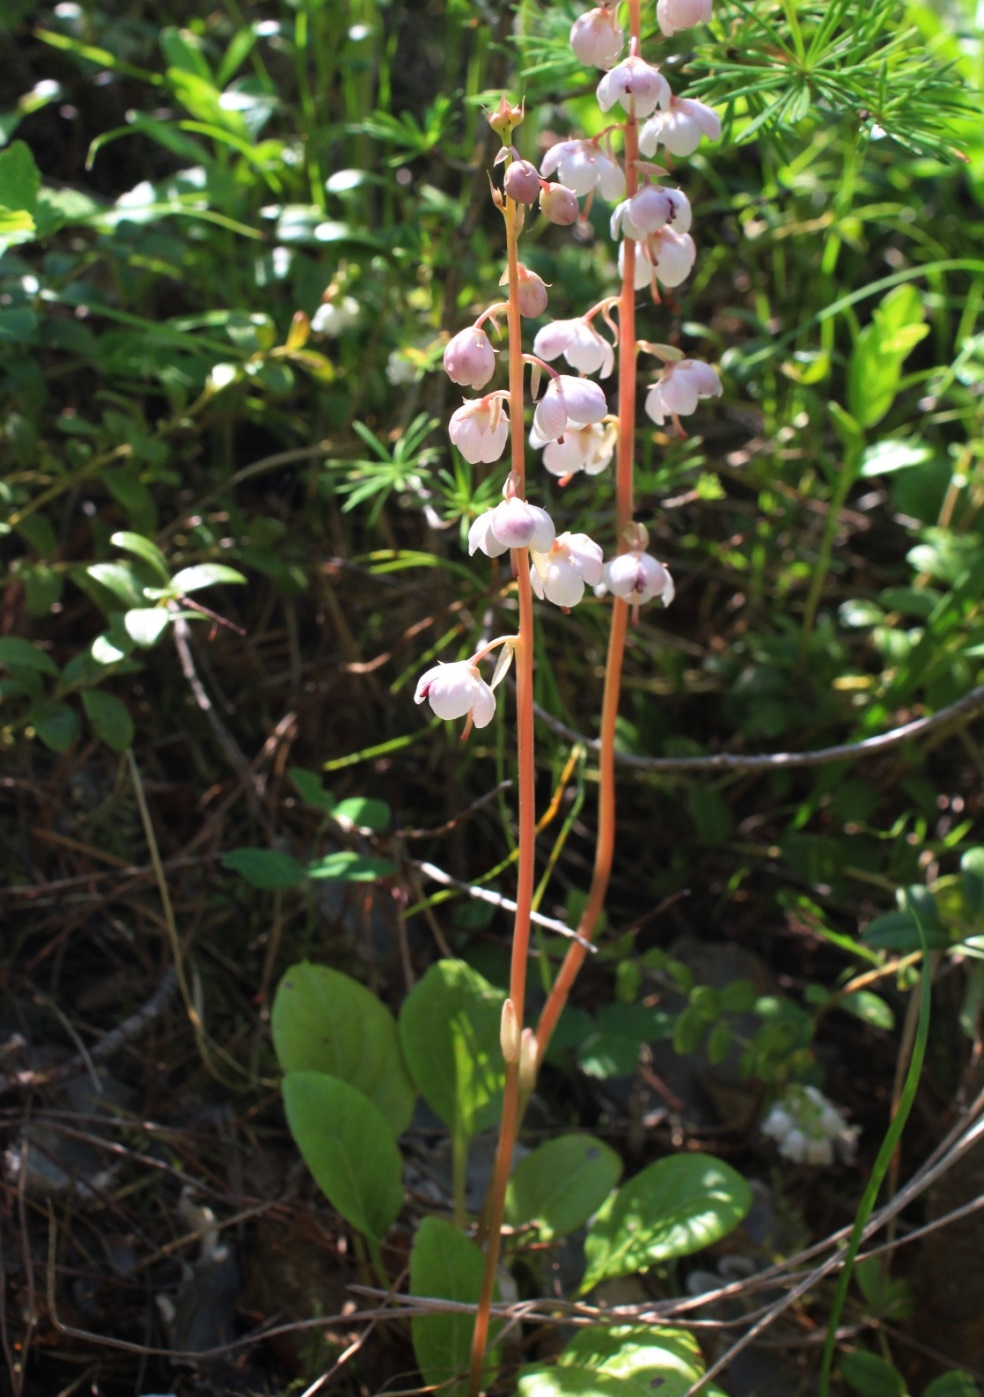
(109, 717)
(17, 653)
(324, 1021)
(345, 866)
(349, 1148)
(559, 1185)
(667, 1360)
(446, 1265)
(449, 1028)
(144, 548)
(56, 724)
(204, 575)
(264, 868)
(118, 579)
(871, 1375)
(146, 624)
(672, 1208)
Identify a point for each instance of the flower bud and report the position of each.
(558, 204)
(522, 182)
(529, 1055)
(682, 14)
(532, 294)
(469, 358)
(505, 118)
(509, 1036)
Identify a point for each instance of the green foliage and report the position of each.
(448, 1266)
(558, 1186)
(620, 1359)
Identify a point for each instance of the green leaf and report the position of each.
(147, 550)
(204, 575)
(952, 1384)
(146, 624)
(672, 1208)
(17, 323)
(556, 1381)
(449, 1028)
(56, 724)
(42, 588)
(561, 1184)
(871, 1376)
(366, 813)
(972, 880)
(119, 579)
(308, 786)
(264, 868)
(666, 1360)
(109, 717)
(445, 1265)
(16, 653)
(899, 931)
(346, 867)
(20, 178)
(894, 455)
(870, 1009)
(347, 1144)
(324, 1021)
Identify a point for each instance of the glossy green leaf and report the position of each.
(870, 1009)
(952, 1384)
(109, 718)
(344, 866)
(348, 1145)
(146, 624)
(20, 179)
(449, 1028)
(145, 549)
(446, 1265)
(561, 1184)
(324, 1021)
(672, 1208)
(118, 579)
(555, 1381)
(668, 1361)
(204, 575)
(366, 813)
(308, 786)
(264, 868)
(16, 653)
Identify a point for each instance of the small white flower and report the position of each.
(636, 84)
(637, 577)
(399, 369)
(583, 166)
(568, 401)
(808, 1128)
(682, 14)
(596, 38)
(559, 576)
(457, 691)
(651, 209)
(469, 358)
(666, 255)
(512, 524)
(332, 317)
(480, 429)
(680, 129)
(680, 385)
(580, 344)
(589, 449)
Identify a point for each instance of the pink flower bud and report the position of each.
(521, 182)
(596, 38)
(682, 14)
(558, 204)
(469, 358)
(532, 294)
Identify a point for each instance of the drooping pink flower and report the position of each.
(480, 429)
(666, 255)
(680, 128)
(558, 204)
(580, 344)
(583, 166)
(589, 449)
(638, 577)
(469, 358)
(682, 14)
(559, 575)
(678, 389)
(636, 84)
(514, 523)
(596, 38)
(568, 401)
(652, 208)
(457, 691)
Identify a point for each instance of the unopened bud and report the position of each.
(529, 1051)
(522, 182)
(532, 294)
(509, 1035)
(506, 118)
(636, 537)
(558, 204)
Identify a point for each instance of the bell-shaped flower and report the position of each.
(568, 402)
(666, 254)
(680, 128)
(636, 84)
(580, 344)
(532, 294)
(637, 577)
(457, 691)
(583, 166)
(596, 38)
(652, 208)
(589, 449)
(512, 524)
(679, 387)
(480, 429)
(558, 204)
(469, 358)
(521, 182)
(559, 576)
(681, 14)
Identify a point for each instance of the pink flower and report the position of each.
(680, 385)
(681, 14)
(650, 209)
(580, 344)
(480, 429)
(636, 84)
(680, 128)
(596, 38)
(568, 401)
(559, 576)
(589, 449)
(521, 182)
(532, 294)
(512, 524)
(638, 577)
(455, 691)
(558, 204)
(666, 255)
(469, 358)
(583, 166)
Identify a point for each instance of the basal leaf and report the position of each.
(559, 1185)
(109, 717)
(446, 1265)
